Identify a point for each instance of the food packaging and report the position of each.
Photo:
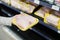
(41, 12)
(22, 6)
(57, 2)
(24, 21)
(52, 19)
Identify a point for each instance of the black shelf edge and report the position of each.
(45, 4)
(48, 26)
(40, 33)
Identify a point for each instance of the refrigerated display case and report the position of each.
(40, 31)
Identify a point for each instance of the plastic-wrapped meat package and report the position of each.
(42, 11)
(22, 6)
(24, 21)
(52, 19)
(57, 2)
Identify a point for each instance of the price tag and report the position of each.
(50, 1)
(37, 1)
(55, 7)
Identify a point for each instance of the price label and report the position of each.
(55, 7)
(50, 0)
(37, 2)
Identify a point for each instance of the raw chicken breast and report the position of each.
(24, 20)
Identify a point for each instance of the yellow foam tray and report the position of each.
(28, 27)
(47, 14)
(36, 13)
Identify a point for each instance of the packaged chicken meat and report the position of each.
(53, 19)
(41, 12)
(57, 2)
(22, 6)
(24, 21)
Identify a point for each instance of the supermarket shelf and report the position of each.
(28, 34)
(33, 29)
(45, 4)
(41, 22)
(38, 32)
(30, 29)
